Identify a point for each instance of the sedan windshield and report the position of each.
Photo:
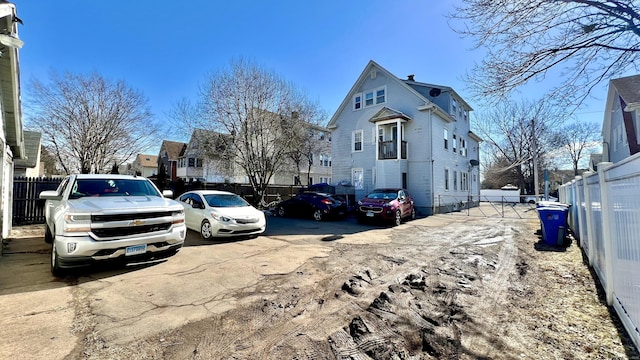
(112, 187)
(386, 195)
(225, 200)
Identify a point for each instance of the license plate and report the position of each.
(370, 213)
(135, 250)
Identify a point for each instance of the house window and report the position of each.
(465, 114)
(368, 98)
(446, 179)
(446, 139)
(380, 96)
(375, 96)
(198, 162)
(357, 141)
(192, 162)
(325, 160)
(464, 181)
(454, 107)
(463, 147)
(357, 102)
(455, 144)
(357, 178)
(455, 181)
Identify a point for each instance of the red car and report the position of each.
(386, 205)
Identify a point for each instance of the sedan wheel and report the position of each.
(55, 261)
(317, 214)
(398, 218)
(205, 230)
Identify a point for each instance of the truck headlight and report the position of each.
(77, 223)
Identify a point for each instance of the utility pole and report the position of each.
(535, 160)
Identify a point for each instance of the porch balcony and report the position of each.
(389, 150)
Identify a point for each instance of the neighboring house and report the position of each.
(621, 127)
(30, 166)
(11, 135)
(145, 165)
(170, 152)
(314, 165)
(594, 160)
(198, 161)
(390, 132)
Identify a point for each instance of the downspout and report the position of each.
(432, 186)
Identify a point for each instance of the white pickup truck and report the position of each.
(96, 218)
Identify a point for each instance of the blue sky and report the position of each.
(165, 49)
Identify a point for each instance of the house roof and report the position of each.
(629, 90)
(387, 114)
(422, 87)
(174, 149)
(10, 84)
(365, 73)
(31, 149)
(147, 160)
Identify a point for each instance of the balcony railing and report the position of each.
(389, 150)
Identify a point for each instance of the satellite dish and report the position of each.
(434, 92)
(474, 162)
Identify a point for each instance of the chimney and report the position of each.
(410, 77)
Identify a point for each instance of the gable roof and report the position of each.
(387, 113)
(173, 148)
(147, 160)
(629, 90)
(428, 104)
(31, 150)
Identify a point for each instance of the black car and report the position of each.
(312, 204)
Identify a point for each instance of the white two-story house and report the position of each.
(621, 127)
(401, 133)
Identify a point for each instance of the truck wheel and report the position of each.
(56, 270)
(48, 237)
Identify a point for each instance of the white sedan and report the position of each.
(221, 214)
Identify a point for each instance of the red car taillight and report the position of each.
(327, 201)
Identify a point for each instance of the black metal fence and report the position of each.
(27, 207)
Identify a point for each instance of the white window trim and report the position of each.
(374, 94)
(353, 102)
(353, 140)
(447, 176)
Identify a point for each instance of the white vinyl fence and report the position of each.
(605, 216)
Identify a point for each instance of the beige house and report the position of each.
(145, 165)
(11, 136)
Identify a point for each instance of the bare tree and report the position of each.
(256, 118)
(517, 133)
(578, 140)
(89, 122)
(588, 40)
(307, 140)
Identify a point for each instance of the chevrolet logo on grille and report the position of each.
(136, 223)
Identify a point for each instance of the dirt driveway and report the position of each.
(445, 286)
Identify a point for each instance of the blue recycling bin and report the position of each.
(554, 223)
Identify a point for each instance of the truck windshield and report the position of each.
(112, 187)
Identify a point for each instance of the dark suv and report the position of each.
(386, 205)
(320, 206)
